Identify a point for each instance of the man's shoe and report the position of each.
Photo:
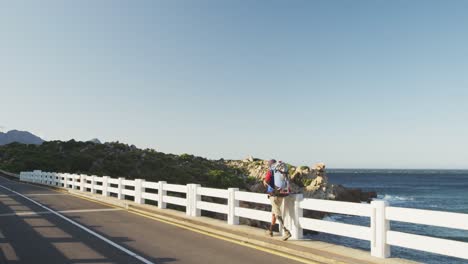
(269, 232)
(287, 235)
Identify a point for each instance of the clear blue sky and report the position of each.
(358, 84)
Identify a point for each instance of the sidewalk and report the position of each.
(309, 251)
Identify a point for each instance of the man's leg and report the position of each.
(273, 217)
(273, 222)
(287, 234)
(276, 214)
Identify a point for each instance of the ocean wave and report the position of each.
(332, 218)
(394, 198)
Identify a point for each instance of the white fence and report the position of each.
(379, 234)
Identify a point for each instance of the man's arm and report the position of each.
(267, 178)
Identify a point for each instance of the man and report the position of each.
(277, 183)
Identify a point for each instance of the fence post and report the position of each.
(379, 227)
(119, 188)
(232, 204)
(82, 182)
(291, 214)
(93, 190)
(77, 183)
(38, 176)
(194, 200)
(105, 185)
(161, 194)
(189, 199)
(73, 181)
(61, 180)
(138, 191)
(296, 230)
(65, 180)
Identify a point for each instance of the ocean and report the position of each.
(441, 190)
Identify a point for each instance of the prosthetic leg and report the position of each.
(286, 235)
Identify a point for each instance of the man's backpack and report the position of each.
(281, 176)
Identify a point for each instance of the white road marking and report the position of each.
(62, 212)
(131, 253)
(34, 194)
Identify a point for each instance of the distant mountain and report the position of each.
(95, 141)
(23, 137)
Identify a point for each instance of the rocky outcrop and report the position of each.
(311, 182)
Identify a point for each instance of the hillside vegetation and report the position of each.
(119, 160)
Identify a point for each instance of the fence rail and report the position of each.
(378, 233)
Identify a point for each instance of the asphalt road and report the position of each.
(50, 227)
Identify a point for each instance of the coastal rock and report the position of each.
(248, 159)
(300, 172)
(312, 183)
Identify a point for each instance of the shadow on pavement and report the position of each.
(46, 238)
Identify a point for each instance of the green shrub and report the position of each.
(118, 160)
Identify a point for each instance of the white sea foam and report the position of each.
(395, 198)
(332, 218)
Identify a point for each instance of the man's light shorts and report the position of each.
(276, 203)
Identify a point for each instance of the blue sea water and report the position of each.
(441, 190)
